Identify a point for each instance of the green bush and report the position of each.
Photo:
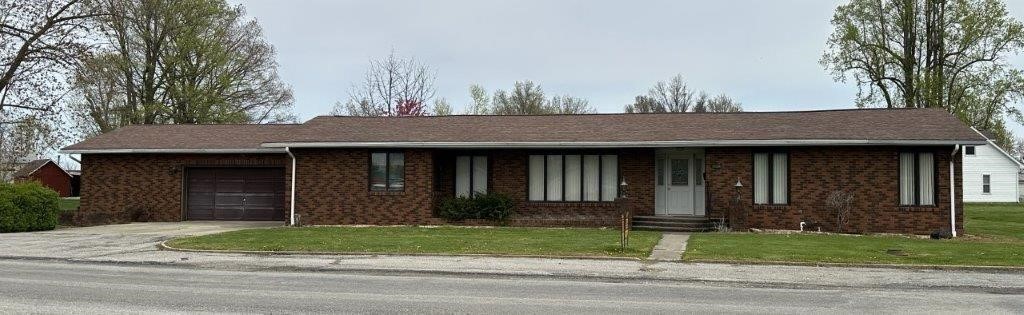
(494, 207)
(28, 206)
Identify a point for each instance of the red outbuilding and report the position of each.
(48, 173)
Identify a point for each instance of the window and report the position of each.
(573, 177)
(470, 175)
(986, 184)
(969, 150)
(771, 178)
(698, 171)
(917, 179)
(387, 171)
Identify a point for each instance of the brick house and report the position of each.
(764, 170)
(46, 172)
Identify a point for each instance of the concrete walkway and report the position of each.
(671, 247)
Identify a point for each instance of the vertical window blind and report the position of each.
(771, 178)
(470, 175)
(575, 177)
(917, 179)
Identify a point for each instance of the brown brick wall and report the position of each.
(114, 186)
(334, 189)
(870, 173)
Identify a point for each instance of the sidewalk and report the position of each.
(614, 270)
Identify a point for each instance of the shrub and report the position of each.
(28, 206)
(494, 207)
(456, 209)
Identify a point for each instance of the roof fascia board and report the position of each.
(628, 144)
(194, 151)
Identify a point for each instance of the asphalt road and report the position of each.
(28, 286)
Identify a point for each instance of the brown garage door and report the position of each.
(235, 194)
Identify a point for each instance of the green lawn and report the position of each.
(438, 240)
(995, 238)
(69, 204)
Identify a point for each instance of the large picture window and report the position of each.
(470, 175)
(771, 178)
(573, 177)
(917, 179)
(387, 171)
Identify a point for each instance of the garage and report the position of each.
(241, 194)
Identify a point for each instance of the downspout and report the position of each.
(292, 195)
(952, 190)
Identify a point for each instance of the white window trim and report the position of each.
(989, 192)
(602, 195)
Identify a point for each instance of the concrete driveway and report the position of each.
(96, 241)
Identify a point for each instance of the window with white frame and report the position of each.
(771, 178)
(917, 179)
(470, 175)
(986, 184)
(573, 177)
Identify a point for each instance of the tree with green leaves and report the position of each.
(674, 96)
(528, 98)
(178, 62)
(950, 54)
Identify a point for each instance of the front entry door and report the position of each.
(679, 183)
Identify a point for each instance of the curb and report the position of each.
(163, 246)
(990, 269)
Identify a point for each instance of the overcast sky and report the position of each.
(763, 53)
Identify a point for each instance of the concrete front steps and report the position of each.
(673, 223)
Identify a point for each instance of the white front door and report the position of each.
(679, 183)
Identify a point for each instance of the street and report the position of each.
(29, 286)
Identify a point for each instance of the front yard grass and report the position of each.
(69, 204)
(995, 238)
(429, 240)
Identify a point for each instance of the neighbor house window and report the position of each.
(969, 150)
(771, 178)
(574, 177)
(387, 171)
(917, 179)
(986, 184)
(470, 175)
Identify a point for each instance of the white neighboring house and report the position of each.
(990, 174)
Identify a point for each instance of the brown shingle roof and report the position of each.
(180, 137)
(873, 125)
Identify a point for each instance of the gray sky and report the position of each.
(763, 53)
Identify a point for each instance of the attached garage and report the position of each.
(242, 194)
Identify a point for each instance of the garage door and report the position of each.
(235, 194)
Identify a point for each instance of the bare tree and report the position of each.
(39, 44)
(389, 82)
(566, 104)
(840, 203)
(675, 96)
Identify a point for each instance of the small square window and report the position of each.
(969, 150)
